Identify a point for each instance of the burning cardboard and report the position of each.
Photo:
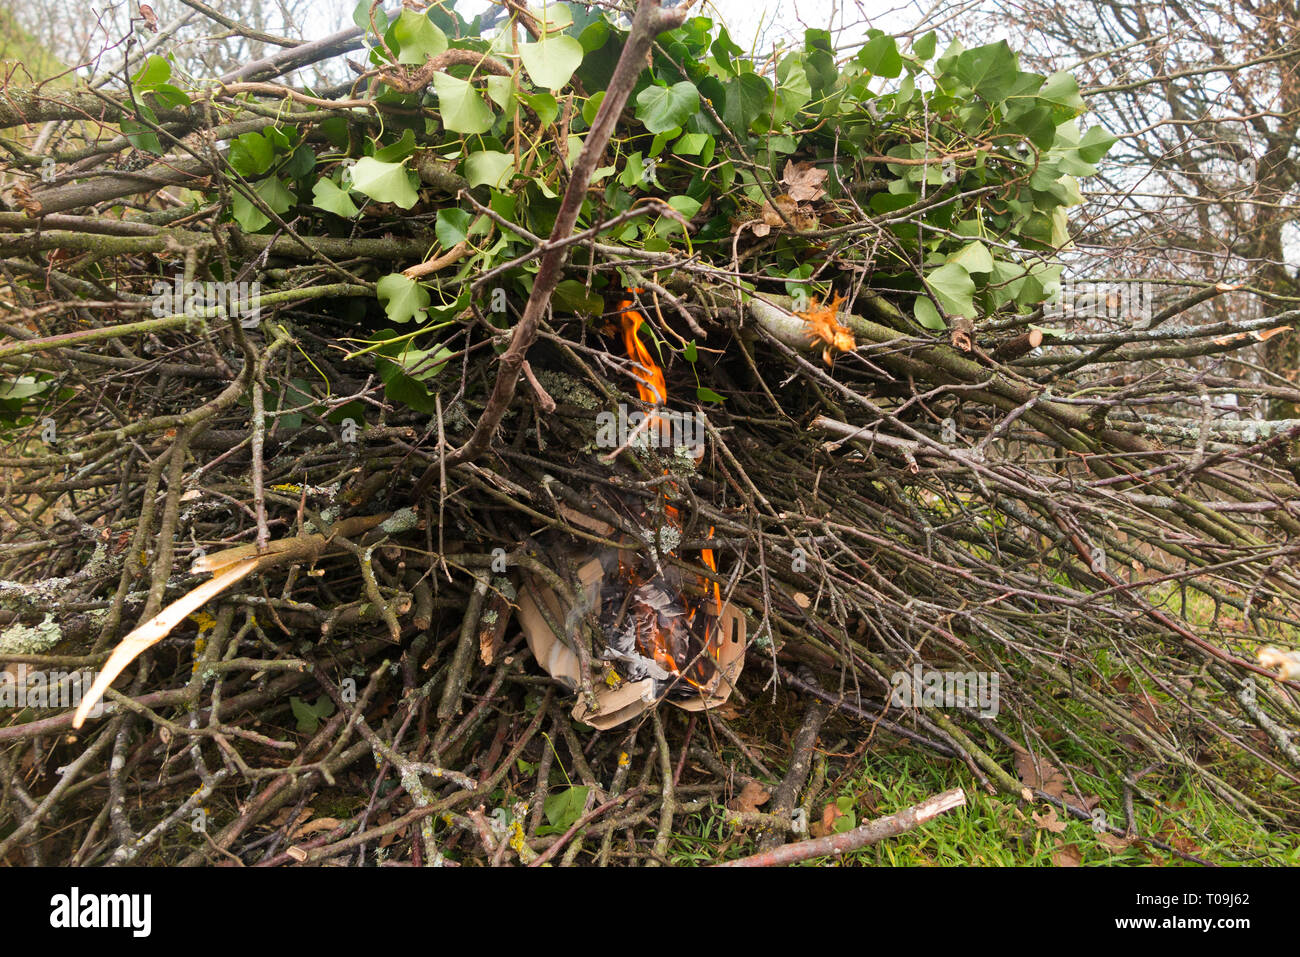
(654, 642)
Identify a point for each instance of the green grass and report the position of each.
(994, 831)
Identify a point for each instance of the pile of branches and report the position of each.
(902, 473)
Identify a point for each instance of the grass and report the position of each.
(996, 831)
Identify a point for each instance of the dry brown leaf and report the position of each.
(751, 797)
(1113, 843)
(1083, 804)
(1067, 855)
(804, 181)
(826, 825)
(311, 827)
(283, 816)
(1048, 821)
(1042, 774)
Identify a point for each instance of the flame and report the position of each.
(824, 325)
(651, 385)
(655, 640)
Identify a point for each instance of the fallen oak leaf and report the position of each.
(804, 181)
(751, 797)
(1067, 855)
(1048, 821)
(1039, 774)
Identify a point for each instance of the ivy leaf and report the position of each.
(880, 57)
(251, 154)
(169, 97)
(309, 715)
(417, 38)
(662, 108)
(384, 182)
(543, 104)
(1061, 89)
(141, 136)
(973, 257)
(563, 808)
(953, 287)
(573, 295)
(1095, 143)
(396, 152)
(989, 70)
(551, 62)
(500, 89)
(271, 191)
(155, 72)
(417, 364)
(463, 110)
(403, 299)
(748, 96)
(705, 394)
(928, 316)
(361, 17)
(23, 387)
(489, 168)
(328, 196)
(452, 226)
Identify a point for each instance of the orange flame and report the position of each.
(650, 383)
(652, 386)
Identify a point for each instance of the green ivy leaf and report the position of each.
(396, 152)
(662, 108)
(748, 97)
(273, 192)
(973, 257)
(155, 72)
(500, 89)
(251, 155)
(563, 808)
(928, 316)
(169, 97)
(384, 182)
(361, 17)
(543, 104)
(923, 48)
(953, 287)
(489, 168)
(705, 394)
(404, 299)
(462, 109)
(309, 715)
(452, 226)
(573, 296)
(328, 196)
(1061, 89)
(417, 38)
(551, 61)
(989, 70)
(879, 56)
